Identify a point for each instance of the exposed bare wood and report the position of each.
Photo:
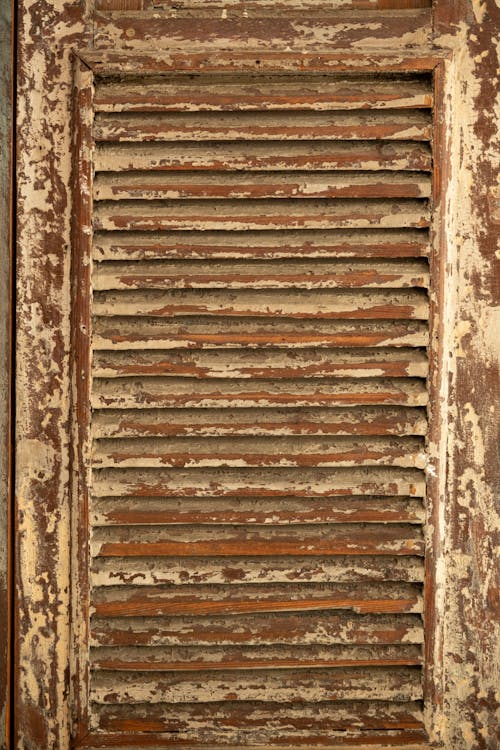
(129, 333)
(261, 275)
(209, 422)
(173, 659)
(134, 393)
(399, 683)
(321, 540)
(150, 571)
(300, 304)
(168, 185)
(256, 93)
(325, 628)
(392, 124)
(261, 245)
(258, 156)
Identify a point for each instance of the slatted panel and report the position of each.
(260, 303)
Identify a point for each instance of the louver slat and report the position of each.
(260, 304)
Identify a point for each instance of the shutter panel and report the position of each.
(259, 331)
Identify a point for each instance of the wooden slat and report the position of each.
(181, 93)
(210, 423)
(259, 629)
(381, 598)
(127, 333)
(408, 125)
(323, 303)
(366, 243)
(175, 659)
(255, 452)
(130, 511)
(254, 364)
(272, 718)
(149, 571)
(260, 275)
(171, 185)
(374, 740)
(259, 8)
(134, 393)
(322, 540)
(256, 156)
(397, 683)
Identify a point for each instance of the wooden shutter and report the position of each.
(259, 330)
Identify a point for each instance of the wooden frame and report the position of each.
(463, 449)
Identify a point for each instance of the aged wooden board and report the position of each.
(6, 312)
(462, 605)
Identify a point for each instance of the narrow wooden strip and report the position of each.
(326, 540)
(366, 243)
(406, 740)
(256, 364)
(255, 452)
(175, 659)
(289, 303)
(233, 600)
(171, 185)
(134, 393)
(264, 156)
(150, 571)
(271, 718)
(241, 93)
(325, 628)
(260, 8)
(408, 125)
(260, 275)
(397, 683)
(257, 482)
(128, 333)
(255, 422)
(138, 511)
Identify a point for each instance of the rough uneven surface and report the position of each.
(6, 134)
(462, 683)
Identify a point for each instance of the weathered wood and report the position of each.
(325, 628)
(407, 740)
(399, 684)
(275, 718)
(128, 333)
(151, 571)
(209, 422)
(321, 540)
(254, 364)
(410, 124)
(257, 93)
(310, 155)
(291, 244)
(168, 185)
(261, 275)
(381, 598)
(251, 452)
(304, 657)
(322, 303)
(134, 393)
(7, 107)
(257, 7)
(254, 512)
